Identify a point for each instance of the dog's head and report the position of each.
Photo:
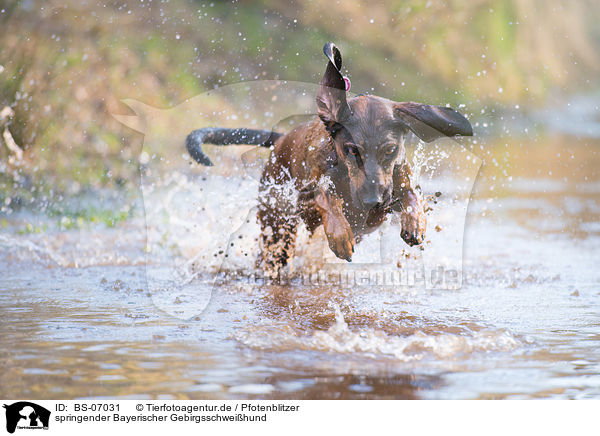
(368, 131)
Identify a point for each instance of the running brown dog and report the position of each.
(347, 165)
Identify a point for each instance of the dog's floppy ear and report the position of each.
(432, 122)
(331, 98)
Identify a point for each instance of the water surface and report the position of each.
(81, 319)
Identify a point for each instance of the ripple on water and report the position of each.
(252, 389)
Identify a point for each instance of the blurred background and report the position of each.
(518, 69)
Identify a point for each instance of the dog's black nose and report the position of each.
(370, 203)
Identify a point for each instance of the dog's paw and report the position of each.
(414, 225)
(340, 238)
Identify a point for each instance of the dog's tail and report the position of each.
(224, 136)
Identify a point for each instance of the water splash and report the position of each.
(340, 338)
(40, 252)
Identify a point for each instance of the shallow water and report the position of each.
(153, 309)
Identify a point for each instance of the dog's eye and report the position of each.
(390, 150)
(349, 148)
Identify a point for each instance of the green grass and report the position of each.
(68, 220)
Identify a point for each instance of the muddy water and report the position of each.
(164, 307)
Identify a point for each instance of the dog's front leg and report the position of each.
(337, 229)
(408, 202)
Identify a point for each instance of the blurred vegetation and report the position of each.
(65, 66)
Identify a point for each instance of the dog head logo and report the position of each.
(26, 415)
